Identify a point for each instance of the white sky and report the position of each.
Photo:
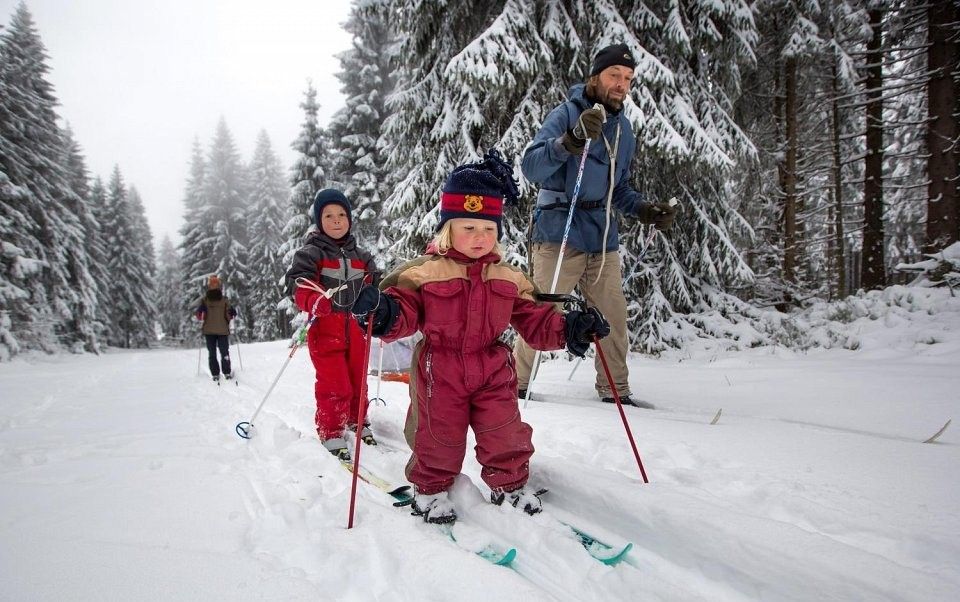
(138, 80)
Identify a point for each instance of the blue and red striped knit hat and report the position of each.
(479, 191)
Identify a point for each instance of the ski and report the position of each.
(940, 432)
(604, 552)
(599, 550)
(576, 402)
(403, 497)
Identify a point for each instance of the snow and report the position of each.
(121, 477)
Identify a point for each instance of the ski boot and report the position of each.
(436, 508)
(366, 435)
(216, 378)
(521, 498)
(627, 400)
(338, 447)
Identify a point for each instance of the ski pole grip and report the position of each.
(603, 110)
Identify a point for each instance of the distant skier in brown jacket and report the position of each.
(215, 313)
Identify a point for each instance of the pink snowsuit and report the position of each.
(464, 375)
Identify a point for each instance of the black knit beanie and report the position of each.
(616, 54)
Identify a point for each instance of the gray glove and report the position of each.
(660, 214)
(589, 126)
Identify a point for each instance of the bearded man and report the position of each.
(593, 111)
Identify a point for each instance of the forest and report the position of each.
(813, 146)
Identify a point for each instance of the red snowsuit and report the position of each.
(335, 341)
(464, 375)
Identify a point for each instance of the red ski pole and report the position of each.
(616, 397)
(361, 415)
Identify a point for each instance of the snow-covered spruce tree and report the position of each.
(33, 159)
(469, 79)
(265, 221)
(19, 270)
(225, 194)
(169, 309)
(367, 79)
(86, 264)
(142, 272)
(905, 126)
(474, 77)
(118, 236)
(690, 58)
(99, 254)
(196, 244)
(308, 175)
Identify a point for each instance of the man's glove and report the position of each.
(589, 126)
(384, 309)
(581, 326)
(660, 214)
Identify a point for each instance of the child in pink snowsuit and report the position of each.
(462, 298)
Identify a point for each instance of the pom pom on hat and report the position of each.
(479, 191)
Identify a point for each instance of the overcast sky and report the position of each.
(138, 80)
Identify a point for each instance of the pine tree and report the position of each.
(308, 176)
(265, 229)
(169, 307)
(468, 74)
(85, 263)
(196, 247)
(473, 77)
(118, 233)
(32, 158)
(141, 272)
(367, 77)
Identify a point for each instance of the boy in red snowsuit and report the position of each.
(326, 275)
(462, 298)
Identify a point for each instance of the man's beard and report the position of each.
(594, 94)
(614, 103)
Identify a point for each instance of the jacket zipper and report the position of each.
(429, 369)
(346, 314)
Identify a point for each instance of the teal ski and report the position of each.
(403, 497)
(603, 552)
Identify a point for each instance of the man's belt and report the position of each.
(552, 199)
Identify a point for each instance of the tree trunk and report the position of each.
(837, 242)
(873, 270)
(789, 173)
(943, 206)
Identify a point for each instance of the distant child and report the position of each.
(215, 313)
(326, 275)
(462, 298)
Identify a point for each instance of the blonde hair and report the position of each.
(443, 240)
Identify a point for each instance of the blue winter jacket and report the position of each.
(547, 163)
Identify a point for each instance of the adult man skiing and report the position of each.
(592, 111)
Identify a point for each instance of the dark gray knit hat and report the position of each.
(616, 54)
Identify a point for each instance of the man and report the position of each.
(591, 259)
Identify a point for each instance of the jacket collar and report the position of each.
(317, 237)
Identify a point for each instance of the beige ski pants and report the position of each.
(606, 294)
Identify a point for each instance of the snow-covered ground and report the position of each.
(121, 478)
